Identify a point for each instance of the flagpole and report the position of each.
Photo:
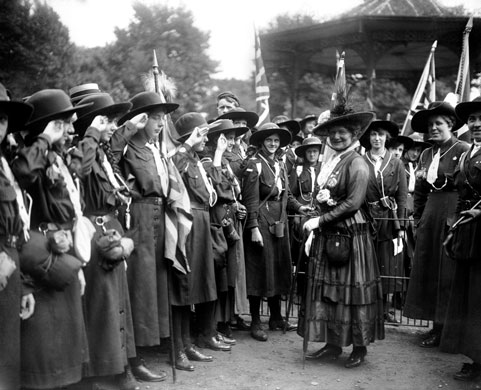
(421, 88)
(261, 85)
(155, 72)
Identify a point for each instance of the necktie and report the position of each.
(312, 170)
(412, 177)
(22, 211)
(476, 147)
(110, 172)
(161, 169)
(72, 189)
(433, 168)
(277, 172)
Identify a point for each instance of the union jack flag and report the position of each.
(262, 88)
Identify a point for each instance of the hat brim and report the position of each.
(293, 126)
(307, 119)
(166, 107)
(250, 117)
(38, 125)
(238, 131)
(463, 110)
(389, 126)
(18, 114)
(260, 135)
(83, 122)
(363, 118)
(401, 139)
(419, 121)
(301, 150)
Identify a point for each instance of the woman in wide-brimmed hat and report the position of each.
(303, 185)
(345, 300)
(266, 195)
(435, 199)
(136, 146)
(236, 153)
(386, 199)
(288, 155)
(42, 171)
(110, 335)
(461, 330)
(226, 220)
(201, 283)
(13, 224)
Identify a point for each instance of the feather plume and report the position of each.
(166, 85)
(342, 104)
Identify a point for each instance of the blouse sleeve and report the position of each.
(401, 193)
(358, 176)
(250, 194)
(89, 146)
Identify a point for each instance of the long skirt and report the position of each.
(53, 341)
(108, 318)
(390, 266)
(10, 299)
(268, 268)
(462, 329)
(432, 272)
(147, 272)
(346, 301)
(202, 282)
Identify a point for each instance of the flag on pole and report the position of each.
(178, 218)
(463, 81)
(425, 91)
(339, 92)
(262, 88)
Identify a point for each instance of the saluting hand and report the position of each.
(54, 130)
(140, 120)
(100, 123)
(197, 136)
(221, 143)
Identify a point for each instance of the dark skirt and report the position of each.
(10, 299)
(462, 329)
(390, 266)
(108, 318)
(202, 282)
(432, 271)
(53, 341)
(268, 268)
(147, 273)
(346, 301)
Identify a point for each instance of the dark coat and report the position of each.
(463, 319)
(434, 212)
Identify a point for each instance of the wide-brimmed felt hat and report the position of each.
(225, 126)
(297, 138)
(307, 118)
(464, 109)
(238, 113)
(419, 121)
(400, 139)
(145, 102)
(391, 127)
(306, 144)
(101, 104)
(362, 118)
(18, 112)
(78, 92)
(48, 105)
(186, 124)
(268, 129)
(292, 125)
(418, 140)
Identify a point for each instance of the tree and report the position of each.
(35, 47)
(181, 51)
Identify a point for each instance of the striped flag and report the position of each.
(340, 92)
(178, 219)
(262, 88)
(425, 91)
(463, 81)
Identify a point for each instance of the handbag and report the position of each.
(7, 268)
(338, 245)
(53, 270)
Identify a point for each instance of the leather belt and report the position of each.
(10, 240)
(149, 199)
